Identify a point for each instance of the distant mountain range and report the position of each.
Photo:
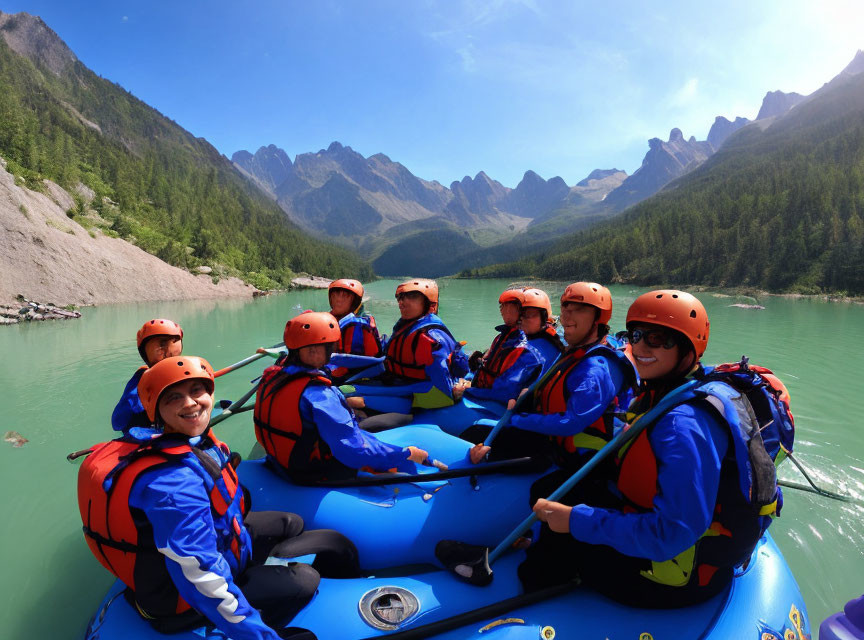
(367, 203)
(338, 193)
(779, 209)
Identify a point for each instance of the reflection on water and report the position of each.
(59, 382)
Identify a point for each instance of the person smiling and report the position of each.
(677, 517)
(163, 510)
(509, 365)
(423, 361)
(359, 332)
(537, 323)
(574, 404)
(157, 339)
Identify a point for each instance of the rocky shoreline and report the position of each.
(31, 311)
(48, 255)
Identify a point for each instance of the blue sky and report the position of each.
(449, 88)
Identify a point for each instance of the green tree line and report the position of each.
(779, 209)
(172, 194)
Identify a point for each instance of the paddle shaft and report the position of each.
(616, 443)
(821, 492)
(234, 408)
(244, 361)
(505, 419)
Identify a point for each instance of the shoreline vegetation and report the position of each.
(716, 291)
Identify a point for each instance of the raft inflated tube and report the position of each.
(480, 614)
(500, 466)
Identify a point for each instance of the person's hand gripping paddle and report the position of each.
(473, 563)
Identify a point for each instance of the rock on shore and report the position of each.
(44, 255)
(311, 282)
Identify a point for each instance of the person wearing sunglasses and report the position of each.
(677, 517)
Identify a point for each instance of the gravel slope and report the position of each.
(46, 256)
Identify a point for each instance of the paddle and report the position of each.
(472, 563)
(821, 492)
(505, 419)
(235, 407)
(816, 489)
(244, 361)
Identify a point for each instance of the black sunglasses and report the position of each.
(654, 338)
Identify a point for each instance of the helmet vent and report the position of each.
(659, 295)
(306, 326)
(692, 313)
(331, 325)
(674, 295)
(180, 363)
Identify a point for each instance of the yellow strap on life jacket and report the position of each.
(675, 572)
(768, 509)
(586, 441)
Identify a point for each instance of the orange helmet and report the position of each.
(537, 299)
(157, 327)
(429, 288)
(512, 295)
(171, 371)
(353, 286)
(593, 294)
(676, 310)
(311, 327)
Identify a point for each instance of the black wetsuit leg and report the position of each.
(280, 591)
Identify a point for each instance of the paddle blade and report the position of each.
(468, 561)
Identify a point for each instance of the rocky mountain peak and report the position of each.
(856, 66)
(722, 129)
(597, 174)
(675, 135)
(776, 103)
(335, 147)
(270, 164)
(28, 36)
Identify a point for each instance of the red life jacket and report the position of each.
(551, 396)
(500, 358)
(291, 442)
(409, 350)
(736, 526)
(359, 336)
(121, 538)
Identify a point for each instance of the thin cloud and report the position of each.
(686, 95)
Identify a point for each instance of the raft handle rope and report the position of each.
(516, 464)
(476, 615)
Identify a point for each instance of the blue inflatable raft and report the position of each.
(399, 524)
(455, 419)
(763, 603)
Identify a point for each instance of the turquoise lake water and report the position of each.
(59, 382)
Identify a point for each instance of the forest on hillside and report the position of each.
(156, 185)
(779, 209)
